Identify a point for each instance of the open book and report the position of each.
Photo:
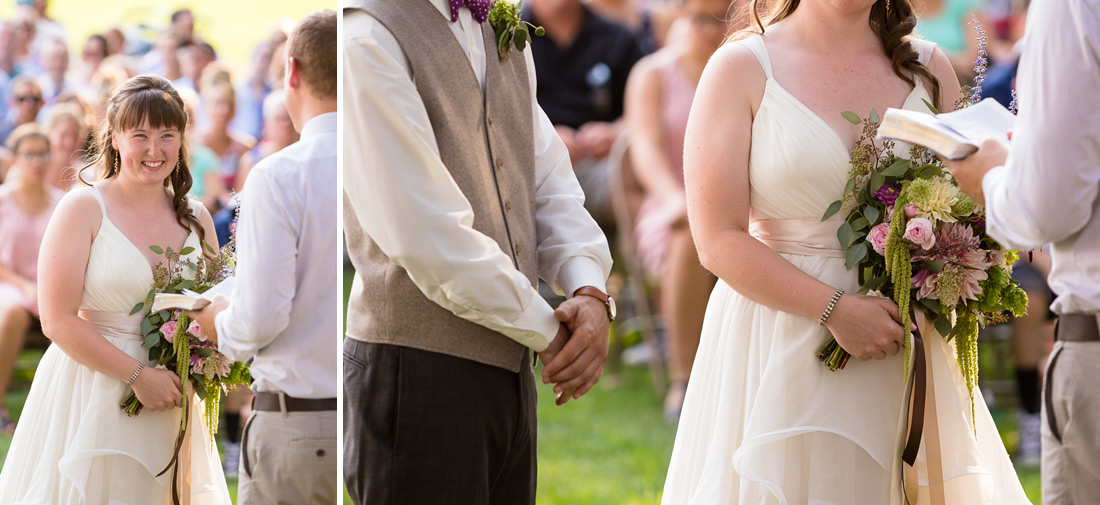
(190, 300)
(954, 135)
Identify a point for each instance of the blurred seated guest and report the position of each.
(183, 24)
(68, 134)
(163, 60)
(115, 70)
(26, 203)
(45, 27)
(1029, 334)
(25, 103)
(193, 56)
(945, 23)
(648, 20)
(252, 92)
(218, 106)
(54, 81)
(582, 66)
(279, 133)
(658, 99)
(95, 51)
(21, 43)
(116, 40)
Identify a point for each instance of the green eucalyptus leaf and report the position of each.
(168, 251)
(876, 283)
(930, 106)
(164, 315)
(209, 248)
(150, 341)
(156, 249)
(855, 255)
(833, 209)
(137, 308)
(146, 327)
(850, 186)
(187, 250)
(877, 180)
(934, 266)
(855, 236)
(872, 214)
(933, 306)
(851, 117)
(943, 325)
(844, 234)
(898, 168)
(873, 117)
(859, 224)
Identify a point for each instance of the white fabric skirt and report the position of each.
(74, 445)
(765, 422)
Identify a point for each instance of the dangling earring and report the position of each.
(118, 158)
(887, 7)
(177, 165)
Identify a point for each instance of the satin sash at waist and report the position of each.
(115, 324)
(806, 237)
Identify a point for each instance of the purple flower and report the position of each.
(887, 194)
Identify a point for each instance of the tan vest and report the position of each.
(486, 141)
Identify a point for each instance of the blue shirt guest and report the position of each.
(282, 312)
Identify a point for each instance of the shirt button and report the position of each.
(516, 249)
(500, 164)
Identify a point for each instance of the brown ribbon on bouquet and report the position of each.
(181, 460)
(922, 411)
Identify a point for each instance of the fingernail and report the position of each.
(557, 389)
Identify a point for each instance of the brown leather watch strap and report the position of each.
(593, 292)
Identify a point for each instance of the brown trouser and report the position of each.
(1071, 424)
(423, 428)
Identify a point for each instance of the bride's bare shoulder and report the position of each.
(735, 73)
(79, 209)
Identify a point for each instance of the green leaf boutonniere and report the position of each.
(509, 28)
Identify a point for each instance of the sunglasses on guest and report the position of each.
(24, 98)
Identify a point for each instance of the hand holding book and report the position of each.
(954, 135)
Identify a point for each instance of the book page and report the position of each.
(987, 118)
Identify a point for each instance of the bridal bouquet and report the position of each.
(178, 344)
(913, 236)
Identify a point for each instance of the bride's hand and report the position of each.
(868, 327)
(158, 389)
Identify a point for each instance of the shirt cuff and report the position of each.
(990, 180)
(581, 271)
(222, 326)
(541, 322)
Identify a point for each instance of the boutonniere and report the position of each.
(509, 28)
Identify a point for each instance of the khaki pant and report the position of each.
(288, 458)
(1071, 462)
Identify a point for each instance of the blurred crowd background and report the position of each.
(60, 61)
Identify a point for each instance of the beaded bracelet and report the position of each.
(832, 303)
(141, 366)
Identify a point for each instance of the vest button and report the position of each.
(508, 206)
(490, 120)
(500, 164)
(516, 249)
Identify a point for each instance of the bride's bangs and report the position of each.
(158, 106)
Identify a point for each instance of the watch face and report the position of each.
(611, 308)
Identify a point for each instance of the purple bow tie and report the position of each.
(479, 8)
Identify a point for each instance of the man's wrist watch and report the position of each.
(601, 296)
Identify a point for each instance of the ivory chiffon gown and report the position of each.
(765, 422)
(73, 444)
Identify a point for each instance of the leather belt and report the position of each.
(275, 402)
(1078, 328)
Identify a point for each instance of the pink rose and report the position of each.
(919, 231)
(168, 329)
(877, 237)
(196, 330)
(911, 210)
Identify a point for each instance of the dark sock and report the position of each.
(233, 426)
(1027, 383)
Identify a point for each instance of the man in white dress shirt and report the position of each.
(458, 196)
(283, 310)
(1045, 188)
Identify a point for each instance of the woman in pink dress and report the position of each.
(26, 203)
(658, 98)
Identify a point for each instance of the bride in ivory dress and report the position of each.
(73, 444)
(766, 152)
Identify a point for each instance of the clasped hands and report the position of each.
(576, 357)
